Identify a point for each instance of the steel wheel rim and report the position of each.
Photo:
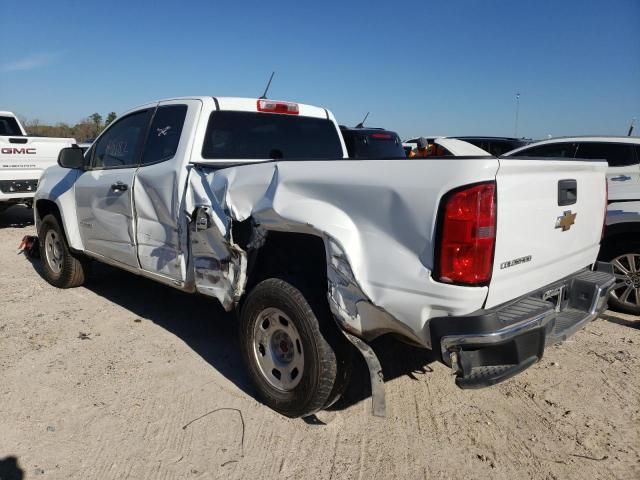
(53, 251)
(277, 348)
(626, 269)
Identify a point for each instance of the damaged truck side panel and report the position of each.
(391, 240)
(254, 203)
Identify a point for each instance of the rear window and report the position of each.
(495, 146)
(498, 148)
(616, 154)
(374, 145)
(247, 135)
(9, 126)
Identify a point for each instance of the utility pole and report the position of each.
(517, 113)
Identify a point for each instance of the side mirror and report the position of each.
(71, 157)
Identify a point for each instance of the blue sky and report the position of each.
(425, 67)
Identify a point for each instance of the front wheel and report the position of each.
(61, 268)
(291, 347)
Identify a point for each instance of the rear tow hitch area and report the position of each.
(493, 345)
(483, 367)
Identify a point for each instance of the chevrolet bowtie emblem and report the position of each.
(566, 220)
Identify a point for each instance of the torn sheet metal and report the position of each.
(348, 302)
(219, 265)
(378, 401)
(377, 224)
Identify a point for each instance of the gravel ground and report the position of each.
(125, 378)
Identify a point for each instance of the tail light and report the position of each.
(272, 106)
(467, 235)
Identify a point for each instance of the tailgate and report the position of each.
(538, 240)
(30, 153)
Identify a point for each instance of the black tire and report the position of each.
(322, 349)
(343, 377)
(612, 250)
(71, 267)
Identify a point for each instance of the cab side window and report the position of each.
(121, 144)
(560, 149)
(164, 134)
(616, 154)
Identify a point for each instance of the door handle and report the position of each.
(621, 178)
(119, 187)
(567, 192)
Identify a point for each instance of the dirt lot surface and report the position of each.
(125, 378)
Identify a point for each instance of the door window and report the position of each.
(121, 144)
(164, 134)
(616, 154)
(559, 149)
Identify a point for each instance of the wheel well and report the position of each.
(46, 207)
(286, 255)
(621, 229)
(617, 234)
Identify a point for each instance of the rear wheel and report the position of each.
(291, 347)
(61, 268)
(625, 258)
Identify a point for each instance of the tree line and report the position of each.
(86, 128)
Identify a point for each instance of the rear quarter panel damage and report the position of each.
(377, 220)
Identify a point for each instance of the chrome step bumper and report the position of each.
(489, 346)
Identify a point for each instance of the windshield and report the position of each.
(9, 126)
(376, 145)
(246, 135)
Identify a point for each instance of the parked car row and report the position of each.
(323, 238)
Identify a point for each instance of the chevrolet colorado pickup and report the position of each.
(254, 202)
(23, 159)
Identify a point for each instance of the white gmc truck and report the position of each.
(23, 159)
(254, 202)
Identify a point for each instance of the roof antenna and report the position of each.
(633, 123)
(361, 124)
(264, 95)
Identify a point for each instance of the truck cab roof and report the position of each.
(246, 104)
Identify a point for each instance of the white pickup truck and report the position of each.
(23, 159)
(254, 203)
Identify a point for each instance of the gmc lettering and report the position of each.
(18, 151)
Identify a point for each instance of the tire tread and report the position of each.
(314, 314)
(73, 273)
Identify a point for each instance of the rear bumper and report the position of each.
(17, 186)
(16, 191)
(489, 346)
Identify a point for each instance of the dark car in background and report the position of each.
(372, 143)
(496, 145)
